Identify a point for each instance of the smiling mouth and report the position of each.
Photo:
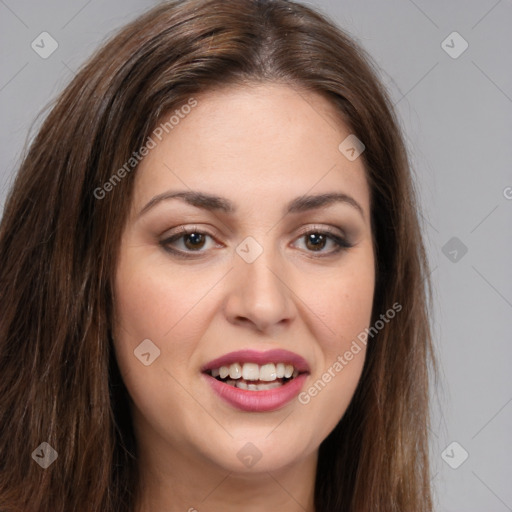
(254, 377)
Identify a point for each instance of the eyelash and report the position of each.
(341, 243)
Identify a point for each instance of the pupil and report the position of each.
(196, 238)
(317, 240)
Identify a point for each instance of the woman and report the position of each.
(213, 283)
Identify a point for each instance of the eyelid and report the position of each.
(325, 228)
(187, 230)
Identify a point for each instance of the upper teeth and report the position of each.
(252, 371)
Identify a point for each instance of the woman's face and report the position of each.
(246, 290)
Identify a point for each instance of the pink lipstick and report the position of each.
(257, 381)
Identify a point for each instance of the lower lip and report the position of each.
(258, 401)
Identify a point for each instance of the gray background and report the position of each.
(457, 116)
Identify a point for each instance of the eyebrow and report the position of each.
(212, 202)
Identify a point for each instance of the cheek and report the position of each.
(342, 309)
(153, 302)
(345, 311)
(149, 306)
(342, 303)
(349, 306)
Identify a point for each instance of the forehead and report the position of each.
(268, 141)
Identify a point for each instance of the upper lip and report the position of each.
(252, 356)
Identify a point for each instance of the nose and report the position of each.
(258, 294)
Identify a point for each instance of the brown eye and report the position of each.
(188, 242)
(194, 241)
(315, 241)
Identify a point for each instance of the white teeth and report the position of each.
(288, 371)
(272, 385)
(251, 371)
(235, 371)
(268, 372)
(254, 387)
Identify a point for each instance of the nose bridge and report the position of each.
(258, 294)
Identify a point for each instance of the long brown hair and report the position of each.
(59, 243)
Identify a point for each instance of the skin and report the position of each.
(259, 146)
